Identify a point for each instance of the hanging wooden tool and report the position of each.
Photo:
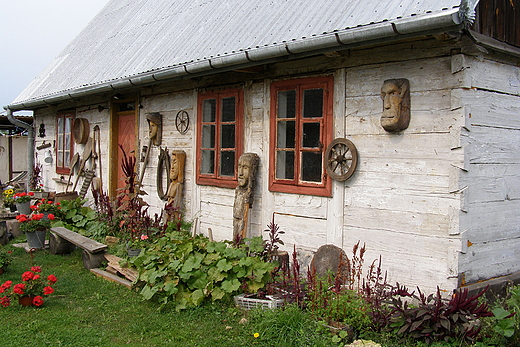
(97, 183)
(162, 166)
(72, 165)
(87, 152)
(89, 175)
(145, 162)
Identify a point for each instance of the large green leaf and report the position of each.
(230, 286)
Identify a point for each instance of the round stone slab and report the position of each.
(327, 260)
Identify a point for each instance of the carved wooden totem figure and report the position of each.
(247, 167)
(155, 127)
(174, 193)
(395, 94)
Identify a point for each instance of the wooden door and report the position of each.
(124, 117)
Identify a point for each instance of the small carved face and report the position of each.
(174, 168)
(153, 130)
(396, 100)
(244, 171)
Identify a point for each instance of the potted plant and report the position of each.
(5, 259)
(8, 195)
(47, 207)
(35, 227)
(23, 202)
(31, 291)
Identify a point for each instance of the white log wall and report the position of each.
(418, 197)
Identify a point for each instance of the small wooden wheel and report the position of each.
(182, 121)
(342, 158)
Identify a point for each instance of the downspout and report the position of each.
(30, 143)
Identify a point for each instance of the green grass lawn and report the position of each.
(86, 310)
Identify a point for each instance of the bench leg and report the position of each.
(58, 245)
(92, 260)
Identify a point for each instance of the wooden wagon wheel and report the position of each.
(164, 163)
(182, 121)
(342, 159)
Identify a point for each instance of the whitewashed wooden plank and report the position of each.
(303, 232)
(410, 259)
(491, 221)
(300, 205)
(488, 260)
(494, 183)
(489, 145)
(363, 81)
(493, 75)
(492, 109)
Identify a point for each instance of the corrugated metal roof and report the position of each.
(135, 37)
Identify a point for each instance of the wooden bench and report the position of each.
(63, 241)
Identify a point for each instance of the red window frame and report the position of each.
(215, 178)
(64, 153)
(296, 184)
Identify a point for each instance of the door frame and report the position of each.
(113, 140)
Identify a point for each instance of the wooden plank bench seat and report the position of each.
(63, 241)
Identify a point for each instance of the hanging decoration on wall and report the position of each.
(81, 130)
(395, 94)
(155, 127)
(41, 131)
(163, 166)
(341, 159)
(182, 121)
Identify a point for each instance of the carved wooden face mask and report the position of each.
(395, 94)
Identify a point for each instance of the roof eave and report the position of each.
(413, 26)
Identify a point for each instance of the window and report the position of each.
(301, 123)
(219, 144)
(64, 145)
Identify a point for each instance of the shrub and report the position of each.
(185, 270)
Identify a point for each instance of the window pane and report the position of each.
(60, 125)
(227, 163)
(285, 165)
(66, 145)
(208, 110)
(287, 104)
(228, 109)
(127, 106)
(59, 158)
(311, 166)
(208, 136)
(227, 136)
(67, 158)
(68, 125)
(286, 132)
(60, 142)
(312, 103)
(311, 135)
(208, 162)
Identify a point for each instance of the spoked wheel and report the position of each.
(342, 159)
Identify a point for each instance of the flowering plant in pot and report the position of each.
(34, 222)
(20, 198)
(8, 196)
(47, 206)
(30, 291)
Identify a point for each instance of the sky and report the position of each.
(32, 33)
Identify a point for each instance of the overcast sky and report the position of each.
(32, 33)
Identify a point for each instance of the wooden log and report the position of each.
(79, 240)
(111, 277)
(92, 260)
(58, 245)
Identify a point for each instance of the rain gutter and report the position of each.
(30, 143)
(446, 20)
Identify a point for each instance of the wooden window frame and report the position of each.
(64, 170)
(216, 179)
(297, 185)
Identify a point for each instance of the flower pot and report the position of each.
(12, 208)
(24, 207)
(41, 195)
(36, 239)
(26, 300)
(14, 227)
(133, 252)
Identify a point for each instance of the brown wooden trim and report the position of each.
(294, 186)
(215, 179)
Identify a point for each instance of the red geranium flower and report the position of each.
(31, 194)
(19, 288)
(38, 301)
(27, 275)
(48, 290)
(5, 301)
(36, 269)
(34, 207)
(36, 277)
(50, 216)
(52, 279)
